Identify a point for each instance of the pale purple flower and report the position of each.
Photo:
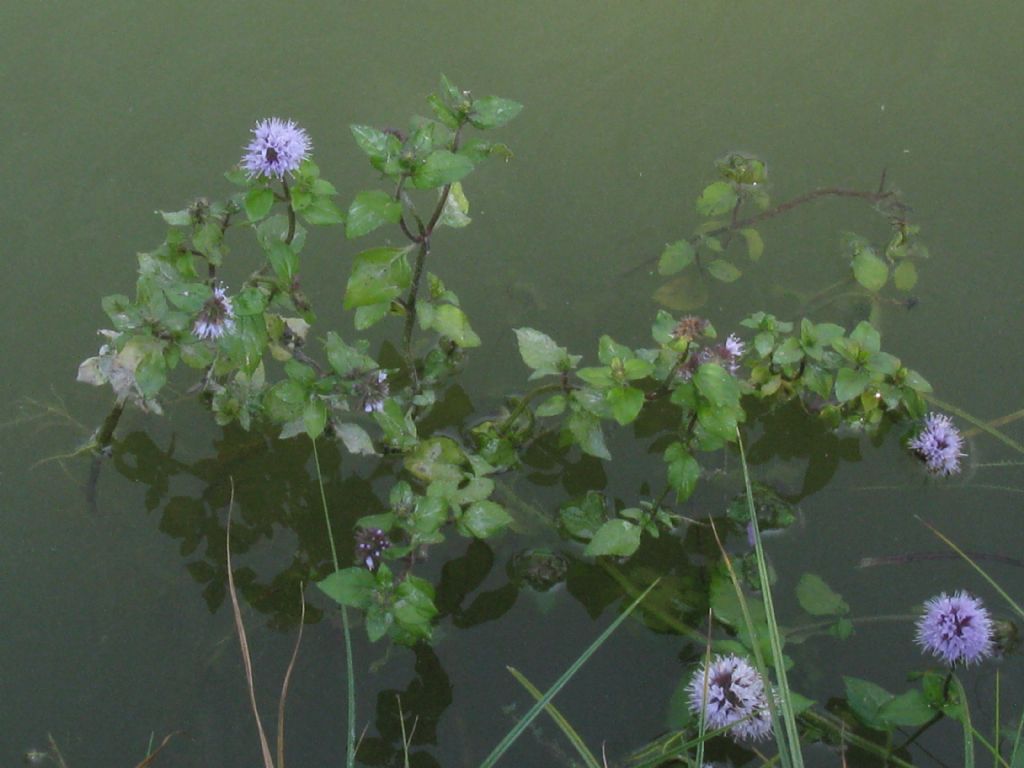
(374, 390)
(730, 693)
(370, 546)
(939, 445)
(278, 147)
(955, 628)
(216, 317)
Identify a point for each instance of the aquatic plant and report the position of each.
(261, 361)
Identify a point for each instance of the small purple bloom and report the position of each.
(278, 147)
(216, 317)
(955, 628)
(370, 546)
(374, 390)
(939, 445)
(730, 692)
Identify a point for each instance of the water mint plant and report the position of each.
(265, 366)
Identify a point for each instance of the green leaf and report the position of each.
(371, 315)
(441, 167)
(553, 406)
(450, 321)
(315, 417)
(755, 245)
(493, 112)
(353, 587)
(908, 710)
(616, 537)
(378, 275)
(323, 211)
(370, 210)
(717, 198)
(723, 270)
(817, 598)
(438, 458)
(788, 352)
(717, 385)
(283, 260)
(905, 276)
(869, 270)
(356, 439)
(151, 372)
(542, 354)
(372, 141)
(483, 519)
(346, 359)
(258, 202)
(676, 256)
(683, 470)
(850, 384)
(585, 429)
(625, 403)
(866, 700)
(456, 208)
(180, 218)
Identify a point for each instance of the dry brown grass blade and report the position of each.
(287, 680)
(268, 761)
(152, 755)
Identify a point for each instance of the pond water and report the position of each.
(116, 629)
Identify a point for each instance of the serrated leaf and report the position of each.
(493, 112)
(370, 210)
(540, 353)
(850, 384)
(866, 700)
(456, 208)
(441, 167)
(356, 439)
(483, 519)
(817, 598)
(450, 321)
(683, 471)
(625, 403)
(258, 202)
(351, 586)
(619, 538)
(314, 417)
(908, 710)
(378, 275)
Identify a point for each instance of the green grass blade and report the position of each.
(570, 733)
(1017, 756)
(350, 748)
(966, 721)
(536, 709)
(791, 752)
(975, 566)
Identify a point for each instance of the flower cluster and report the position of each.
(939, 445)
(371, 544)
(373, 389)
(731, 694)
(955, 628)
(278, 147)
(216, 318)
(726, 355)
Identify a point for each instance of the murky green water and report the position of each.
(113, 110)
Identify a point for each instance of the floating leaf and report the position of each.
(905, 276)
(676, 257)
(685, 293)
(717, 198)
(723, 270)
(755, 245)
(869, 270)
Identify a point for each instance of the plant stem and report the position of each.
(521, 406)
(105, 434)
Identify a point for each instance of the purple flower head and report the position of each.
(730, 692)
(216, 317)
(955, 628)
(277, 148)
(370, 546)
(939, 445)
